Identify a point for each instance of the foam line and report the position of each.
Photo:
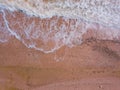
(104, 12)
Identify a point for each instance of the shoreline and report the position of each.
(95, 62)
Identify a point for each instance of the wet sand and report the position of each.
(93, 65)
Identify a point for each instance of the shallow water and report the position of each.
(48, 25)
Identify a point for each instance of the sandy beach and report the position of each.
(94, 65)
(57, 53)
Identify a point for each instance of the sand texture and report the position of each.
(93, 64)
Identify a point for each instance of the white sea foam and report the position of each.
(47, 35)
(106, 12)
(4, 33)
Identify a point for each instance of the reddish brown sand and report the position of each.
(93, 65)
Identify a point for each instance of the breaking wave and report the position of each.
(47, 25)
